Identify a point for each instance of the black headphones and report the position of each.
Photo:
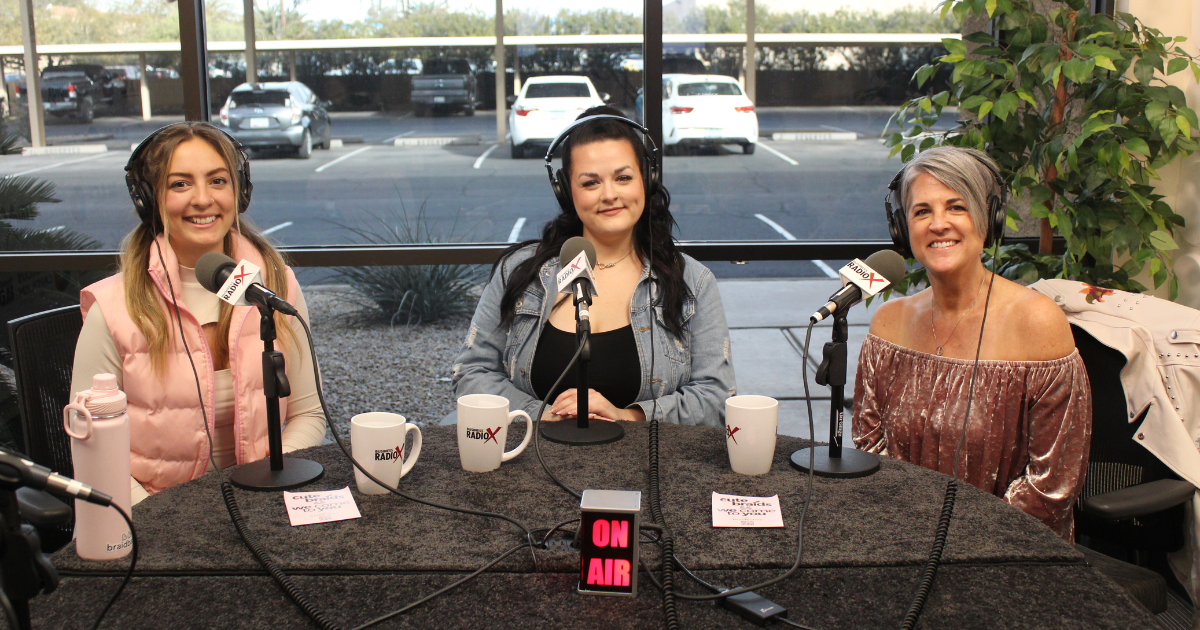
(142, 191)
(996, 216)
(560, 182)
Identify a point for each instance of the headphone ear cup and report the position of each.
(898, 231)
(562, 191)
(996, 220)
(245, 186)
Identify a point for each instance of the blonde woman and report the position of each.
(189, 183)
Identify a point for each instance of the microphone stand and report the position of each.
(276, 472)
(582, 433)
(835, 460)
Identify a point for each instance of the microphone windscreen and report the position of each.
(571, 249)
(209, 270)
(885, 262)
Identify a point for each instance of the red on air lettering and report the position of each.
(600, 533)
(608, 572)
(616, 535)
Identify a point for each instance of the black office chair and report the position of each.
(1131, 506)
(43, 351)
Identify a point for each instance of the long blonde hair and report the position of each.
(142, 298)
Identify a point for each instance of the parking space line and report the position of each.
(516, 231)
(350, 154)
(788, 236)
(479, 163)
(778, 154)
(277, 227)
(826, 268)
(393, 138)
(53, 229)
(58, 164)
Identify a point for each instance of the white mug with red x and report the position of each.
(750, 426)
(483, 421)
(377, 442)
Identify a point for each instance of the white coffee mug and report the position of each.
(377, 442)
(750, 426)
(483, 421)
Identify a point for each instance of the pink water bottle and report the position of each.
(99, 430)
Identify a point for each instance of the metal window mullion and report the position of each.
(652, 54)
(193, 41)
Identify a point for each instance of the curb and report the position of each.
(65, 149)
(437, 141)
(809, 136)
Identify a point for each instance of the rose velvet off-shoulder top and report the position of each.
(1027, 439)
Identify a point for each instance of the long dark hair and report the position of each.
(668, 263)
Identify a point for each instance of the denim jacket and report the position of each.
(692, 376)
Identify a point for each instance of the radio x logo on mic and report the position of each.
(731, 431)
(243, 274)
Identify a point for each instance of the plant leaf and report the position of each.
(1162, 240)
(1177, 64)
(1138, 145)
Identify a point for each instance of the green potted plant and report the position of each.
(1075, 110)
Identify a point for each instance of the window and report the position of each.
(557, 90)
(273, 97)
(709, 88)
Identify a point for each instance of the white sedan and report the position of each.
(546, 106)
(707, 110)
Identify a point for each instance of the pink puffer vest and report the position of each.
(168, 443)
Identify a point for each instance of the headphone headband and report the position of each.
(651, 172)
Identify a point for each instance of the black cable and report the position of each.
(443, 590)
(188, 352)
(267, 563)
(943, 528)
(337, 438)
(536, 425)
(128, 572)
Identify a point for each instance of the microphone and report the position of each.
(17, 472)
(238, 283)
(880, 271)
(575, 263)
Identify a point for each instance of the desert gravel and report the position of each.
(371, 366)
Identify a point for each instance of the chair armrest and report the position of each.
(1140, 500)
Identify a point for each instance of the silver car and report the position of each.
(285, 115)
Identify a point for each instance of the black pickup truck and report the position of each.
(79, 90)
(444, 84)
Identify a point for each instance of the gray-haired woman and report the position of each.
(1030, 424)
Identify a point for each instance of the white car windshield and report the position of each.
(557, 90)
(710, 88)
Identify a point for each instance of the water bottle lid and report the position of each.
(105, 399)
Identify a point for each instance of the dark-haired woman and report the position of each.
(522, 335)
(131, 328)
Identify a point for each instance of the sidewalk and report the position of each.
(767, 321)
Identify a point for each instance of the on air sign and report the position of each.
(608, 542)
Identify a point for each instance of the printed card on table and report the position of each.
(731, 510)
(306, 508)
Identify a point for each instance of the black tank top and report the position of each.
(614, 370)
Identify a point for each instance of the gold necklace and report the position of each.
(951, 335)
(600, 266)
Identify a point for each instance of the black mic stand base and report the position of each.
(851, 464)
(569, 433)
(258, 475)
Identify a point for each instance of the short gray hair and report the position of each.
(960, 169)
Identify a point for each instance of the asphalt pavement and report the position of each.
(786, 190)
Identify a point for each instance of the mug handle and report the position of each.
(528, 433)
(416, 449)
(81, 409)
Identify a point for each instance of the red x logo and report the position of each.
(873, 279)
(731, 431)
(243, 274)
(491, 435)
(399, 455)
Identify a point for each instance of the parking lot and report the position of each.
(802, 189)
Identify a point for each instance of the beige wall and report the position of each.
(1181, 181)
